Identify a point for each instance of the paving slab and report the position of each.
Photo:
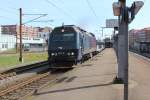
(92, 80)
(89, 81)
(140, 74)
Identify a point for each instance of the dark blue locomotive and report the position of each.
(70, 44)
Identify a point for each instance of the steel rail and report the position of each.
(22, 84)
(21, 69)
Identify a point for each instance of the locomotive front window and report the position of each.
(63, 37)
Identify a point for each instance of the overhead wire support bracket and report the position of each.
(34, 14)
(44, 21)
(32, 20)
(61, 10)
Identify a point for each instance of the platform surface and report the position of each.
(93, 80)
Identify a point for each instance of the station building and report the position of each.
(32, 39)
(33, 44)
(137, 36)
(7, 41)
(139, 41)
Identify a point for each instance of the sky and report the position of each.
(88, 14)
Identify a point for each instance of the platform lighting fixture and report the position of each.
(137, 5)
(134, 9)
(116, 8)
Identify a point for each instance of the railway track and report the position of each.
(24, 88)
(28, 86)
(21, 69)
(12, 78)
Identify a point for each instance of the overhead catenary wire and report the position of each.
(8, 18)
(34, 14)
(8, 8)
(45, 21)
(93, 11)
(59, 9)
(144, 1)
(9, 5)
(8, 11)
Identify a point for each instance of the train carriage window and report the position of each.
(68, 37)
(63, 37)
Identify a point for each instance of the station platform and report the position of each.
(93, 80)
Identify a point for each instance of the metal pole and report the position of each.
(123, 46)
(123, 60)
(102, 31)
(20, 57)
(16, 42)
(115, 43)
(121, 49)
(103, 35)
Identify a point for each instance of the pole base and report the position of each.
(20, 59)
(118, 81)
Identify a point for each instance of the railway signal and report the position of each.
(125, 15)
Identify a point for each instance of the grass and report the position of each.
(10, 60)
(10, 51)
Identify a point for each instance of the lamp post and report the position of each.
(125, 15)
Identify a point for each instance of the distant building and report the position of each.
(44, 33)
(26, 30)
(33, 38)
(45, 29)
(9, 29)
(33, 44)
(7, 41)
(14, 30)
(141, 35)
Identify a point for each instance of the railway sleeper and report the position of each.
(13, 97)
(42, 82)
(34, 86)
(5, 97)
(28, 88)
(37, 83)
(16, 93)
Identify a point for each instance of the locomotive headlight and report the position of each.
(68, 53)
(52, 54)
(72, 53)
